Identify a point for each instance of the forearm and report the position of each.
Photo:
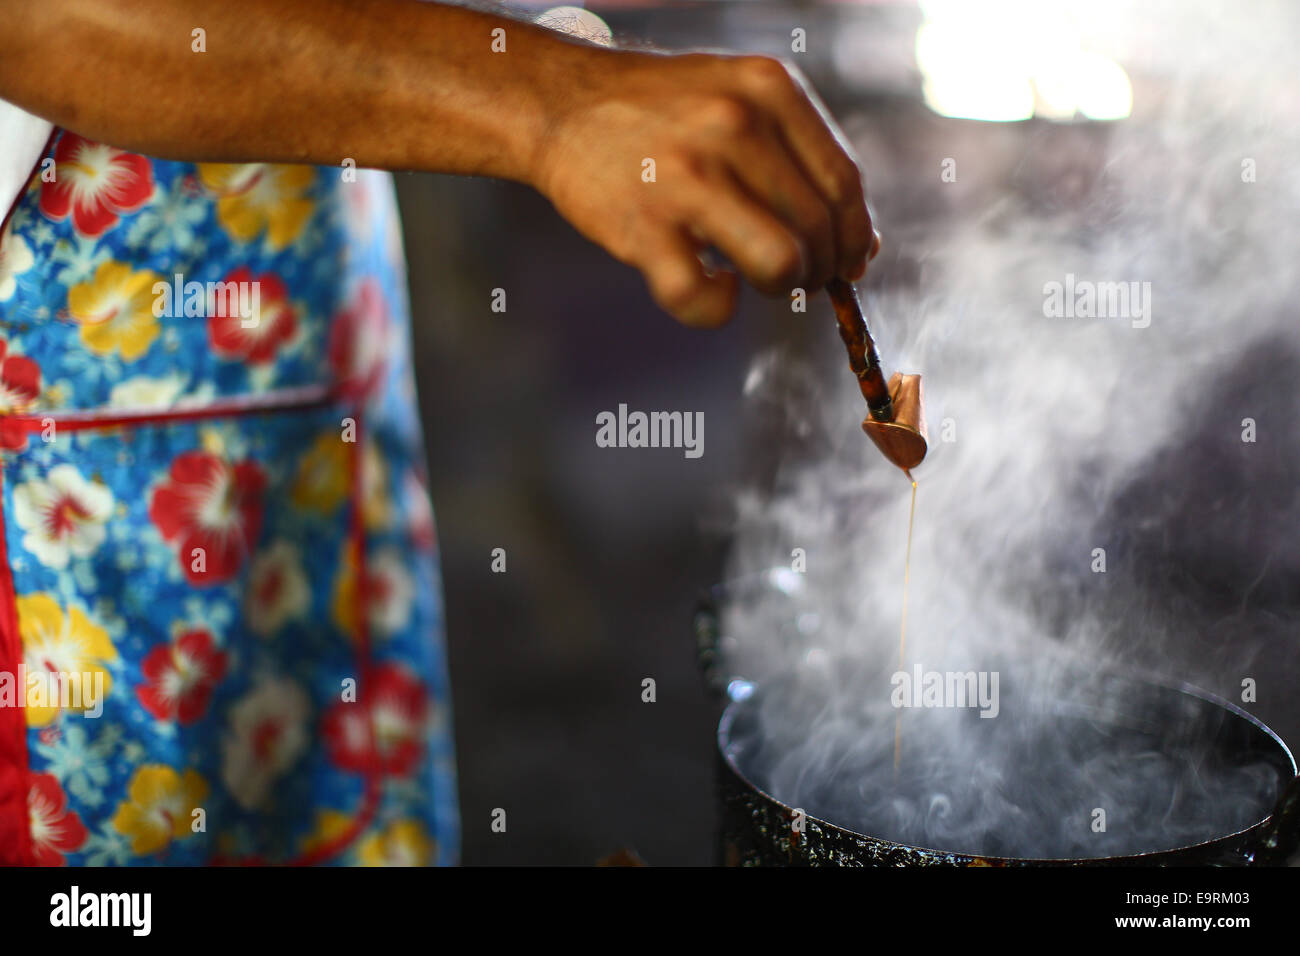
(656, 158)
(397, 84)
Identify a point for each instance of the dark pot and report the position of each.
(756, 828)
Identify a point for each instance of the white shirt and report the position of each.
(22, 139)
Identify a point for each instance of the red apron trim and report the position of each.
(287, 399)
(371, 794)
(15, 819)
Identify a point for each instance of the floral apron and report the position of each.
(220, 618)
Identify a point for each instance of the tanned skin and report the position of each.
(747, 160)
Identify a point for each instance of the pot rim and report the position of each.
(733, 708)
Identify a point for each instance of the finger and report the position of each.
(682, 285)
(712, 205)
(766, 169)
(821, 149)
(861, 270)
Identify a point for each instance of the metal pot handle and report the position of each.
(1279, 835)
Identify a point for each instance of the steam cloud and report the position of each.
(1069, 434)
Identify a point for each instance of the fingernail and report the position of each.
(875, 245)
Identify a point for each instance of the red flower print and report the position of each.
(55, 830)
(213, 507)
(358, 344)
(96, 183)
(255, 338)
(419, 513)
(384, 729)
(181, 675)
(20, 384)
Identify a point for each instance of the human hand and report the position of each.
(659, 158)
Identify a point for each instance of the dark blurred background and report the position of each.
(607, 548)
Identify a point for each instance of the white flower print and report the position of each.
(81, 767)
(145, 392)
(108, 847)
(389, 592)
(169, 221)
(15, 259)
(64, 515)
(267, 734)
(277, 589)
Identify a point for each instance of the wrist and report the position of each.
(565, 85)
(471, 93)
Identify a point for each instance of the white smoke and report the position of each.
(1056, 421)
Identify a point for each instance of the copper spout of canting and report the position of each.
(896, 419)
(904, 441)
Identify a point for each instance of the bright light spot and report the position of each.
(963, 79)
(1106, 93)
(1009, 60)
(785, 580)
(1055, 86)
(577, 22)
(739, 689)
(816, 658)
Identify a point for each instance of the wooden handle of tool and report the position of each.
(863, 358)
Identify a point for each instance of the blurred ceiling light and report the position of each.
(1010, 60)
(966, 78)
(577, 22)
(1106, 94)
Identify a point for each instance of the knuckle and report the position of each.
(845, 183)
(781, 264)
(687, 163)
(817, 224)
(766, 75)
(729, 115)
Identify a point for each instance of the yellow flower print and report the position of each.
(324, 474)
(214, 442)
(401, 843)
(115, 310)
(159, 807)
(377, 506)
(252, 197)
(330, 825)
(67, 645)
(344, 605)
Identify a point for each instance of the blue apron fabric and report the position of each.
(215, 512)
